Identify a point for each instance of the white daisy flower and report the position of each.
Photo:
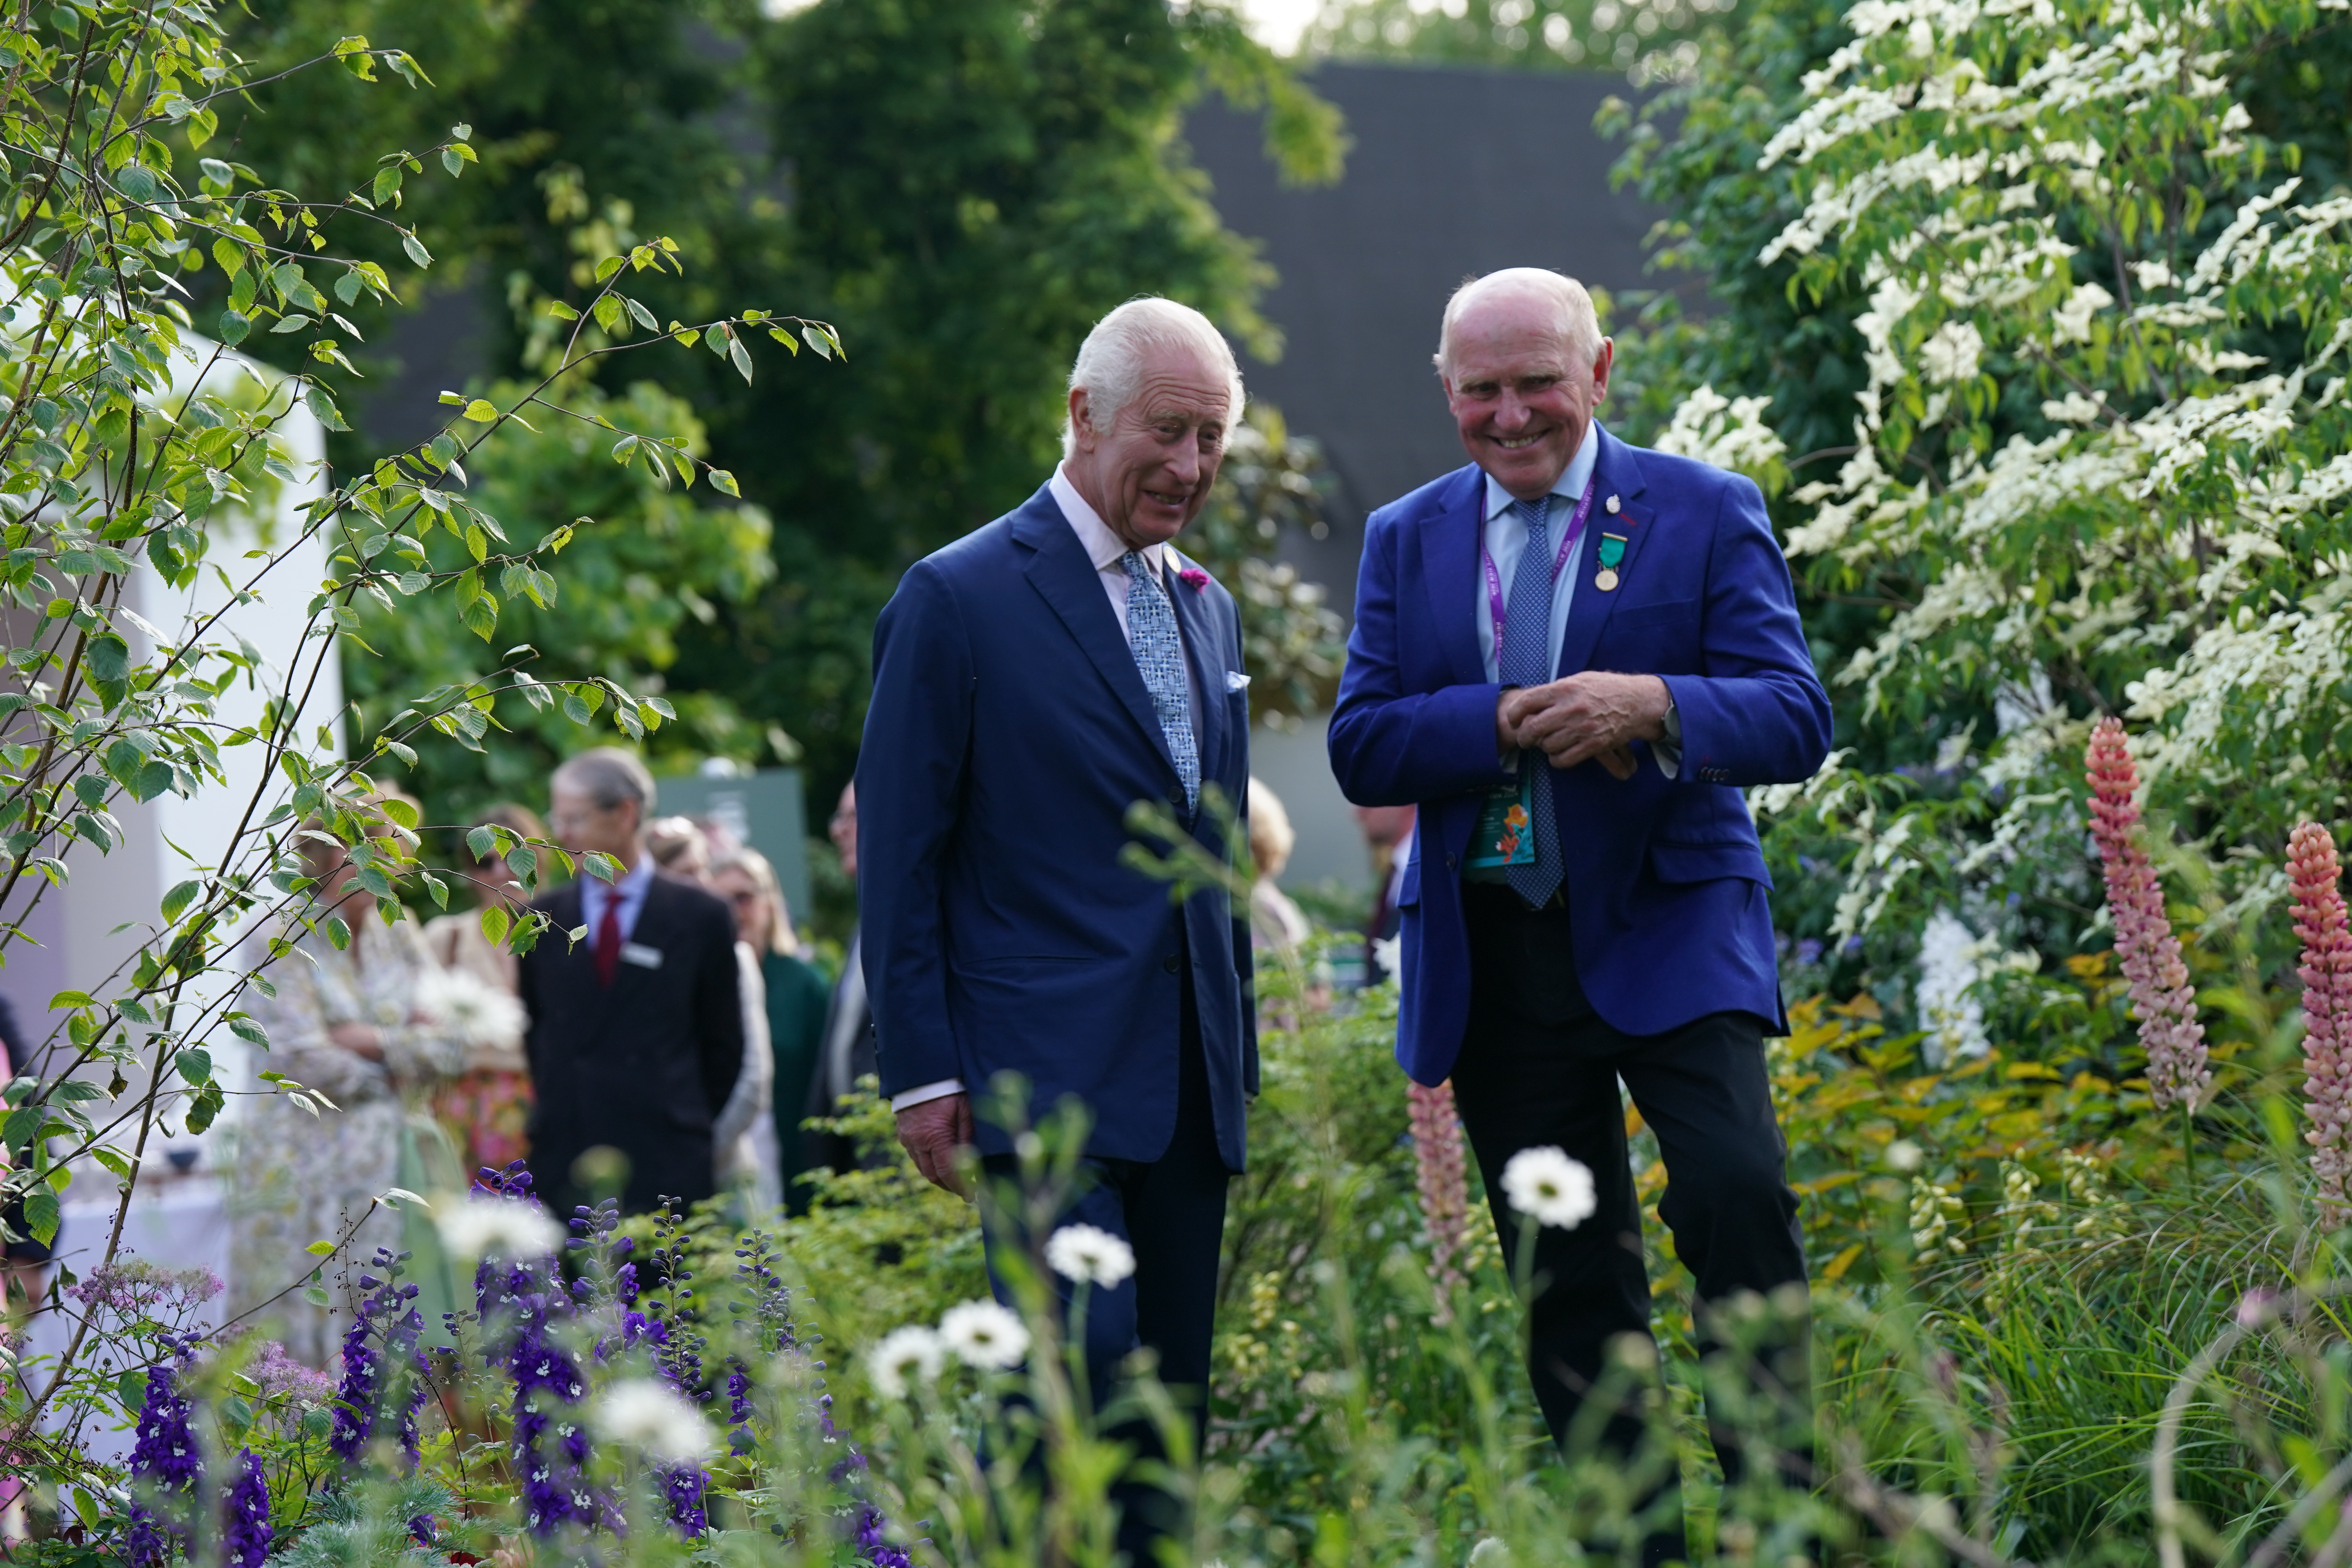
(470, 1009)
(1090, 1255)
(912, 1352)
(984, 1334)
(1547, 1184)
(641, 1412)
(475, 1226)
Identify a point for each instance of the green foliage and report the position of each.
(1649, 40)
(642, 558)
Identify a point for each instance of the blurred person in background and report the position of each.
(846, 1049)
(1388, 839)
(745, 1133)
(355, 1024)
(797, 998)
(24, 1262)
(486, 1108)
(1276, 923)
(681, 848)
(637, 1034)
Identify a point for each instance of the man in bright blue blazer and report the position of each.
(1571, 654)
(1032, 682)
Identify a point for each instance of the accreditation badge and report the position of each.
(1506, 824)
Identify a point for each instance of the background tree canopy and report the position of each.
(962, 187)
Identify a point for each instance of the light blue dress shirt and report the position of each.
(630, 888)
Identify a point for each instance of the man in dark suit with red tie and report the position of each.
(636, 1033)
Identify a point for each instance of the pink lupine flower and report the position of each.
(1445, 1190)
(2163, 1000)
(2319, 920)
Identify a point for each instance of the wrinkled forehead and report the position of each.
(1181, 382)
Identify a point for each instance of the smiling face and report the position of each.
(1150, 473)
(1520, 398)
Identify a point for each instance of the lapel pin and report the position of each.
(1612, 505)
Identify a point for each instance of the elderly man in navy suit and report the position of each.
(1032, 682)
(1571, 654)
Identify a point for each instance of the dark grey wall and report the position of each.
(1454, 173)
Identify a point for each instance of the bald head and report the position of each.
(1535, 294)
(1525, 366)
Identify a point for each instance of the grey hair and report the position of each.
(609, 775)
(1579, 322)
(1111, 363)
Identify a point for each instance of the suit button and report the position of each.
(1169, 963)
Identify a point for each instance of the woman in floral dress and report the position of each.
(347, 1024)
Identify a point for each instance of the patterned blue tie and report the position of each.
(1524, 660)
(1159, 655)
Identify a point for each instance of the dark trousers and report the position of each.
(1540, 1068)
(1171, 1211)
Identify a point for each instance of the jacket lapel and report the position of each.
(1201, 649)
(1617, 473)
(1058, 569)
(1449, 566)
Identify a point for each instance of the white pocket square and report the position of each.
(1237, 681)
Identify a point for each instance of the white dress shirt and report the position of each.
(630, 888)
(1108, 553)
(1506, 543)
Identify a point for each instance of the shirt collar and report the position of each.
(1103, 547)
(630, 884)
(1572, 481)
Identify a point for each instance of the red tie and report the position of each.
(608, 939)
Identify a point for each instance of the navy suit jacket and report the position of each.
(1666, 881)
(1009, 734)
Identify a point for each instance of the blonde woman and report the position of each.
(797, 995)
(348, 1023)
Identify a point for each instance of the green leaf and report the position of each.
(65, 999)
(417, 251)
(724, 482)
(562, 311)
(194, 1065)
(482, 412)
(482, 842)
(337, 934)
(293, 322)
(495, 922)
(817, 341)
(741, 357)
(41, 1215)
(320, 1250)
(176, 901)
(233, 326)
(400, 811)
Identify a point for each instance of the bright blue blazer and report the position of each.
(1666, 882)
(1010, 732)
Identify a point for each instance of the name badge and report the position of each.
(1506, 835)
(643, 957)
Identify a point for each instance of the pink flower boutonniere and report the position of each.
(1192, 577)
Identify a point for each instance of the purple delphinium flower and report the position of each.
(874, 1540)
(384, 1368)
(244, 1520)
(682, 1487)
(166, 1460)
(739, 1407)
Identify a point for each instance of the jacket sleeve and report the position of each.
(1393, 747)
(1244, 950)
(1759, 714)
(910, 781)
(718, 1007)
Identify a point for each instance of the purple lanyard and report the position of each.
(1494, 578)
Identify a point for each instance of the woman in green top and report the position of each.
(797, 996)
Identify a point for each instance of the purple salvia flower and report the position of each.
(244, 1522)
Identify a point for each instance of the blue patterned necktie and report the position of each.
(1159, 655)
(1524, 660)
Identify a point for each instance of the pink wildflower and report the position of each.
(2163, 1000)
(2319, 920)
(1445, 1190)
